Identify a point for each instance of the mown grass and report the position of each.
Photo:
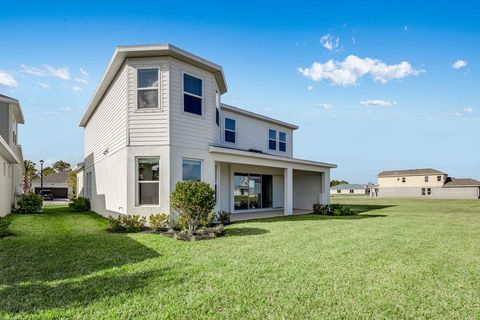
(397, 259)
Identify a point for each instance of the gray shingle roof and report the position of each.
(348, 186)
(59, 177)
(464, 182)
(410, 172)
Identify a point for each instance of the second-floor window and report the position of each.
(404, 179)
(147, 88)
(426, 179)
(192, 94)
(272, 139)
(217, 105)
(282, 141)
(229, 130)
(439, 178)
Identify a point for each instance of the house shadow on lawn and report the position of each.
(34, 297)
(244, 231)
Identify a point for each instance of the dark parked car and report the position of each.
(46, 194)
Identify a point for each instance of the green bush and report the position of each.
(332, 210)
(80, 204)
(4, 224)
(30, 203)
(223, 217)
(194, 201)
(158, 222)
(126, 223)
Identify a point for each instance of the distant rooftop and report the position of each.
(464, 182)
(59, 177)
(348, 186)
(409, 172)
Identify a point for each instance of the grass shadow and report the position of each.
(244, 231)
(34, 297)
(313, 217)
(361, 208)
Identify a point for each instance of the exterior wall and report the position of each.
(253, 134)
(6, 187)
(412, 181)
(4, 121)
(148, 126)
(307, 189)
(347, 192)
(437, 193)
(80, 187)
(107, 128)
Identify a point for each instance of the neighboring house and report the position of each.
(11, 157)
(156, 118)
(57, 183)
(350, 189)
(425, 183)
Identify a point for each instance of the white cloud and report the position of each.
(310, 88)
(52, 113)
(468, 110)
(47, 71)
(77, 88)
(347, 72)
(330, 43)
(7, 80)
(459, 64)
(84, 77)
(66, 109)
(378, 103)
(325, 106)
(44, 85)
(455, 114)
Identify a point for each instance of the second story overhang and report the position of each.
(144, 51)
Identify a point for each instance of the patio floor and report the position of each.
(241, 216)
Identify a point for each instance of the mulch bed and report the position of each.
(200, 234)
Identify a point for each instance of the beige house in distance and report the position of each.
(424, 183)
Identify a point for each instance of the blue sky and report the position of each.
(383, 94)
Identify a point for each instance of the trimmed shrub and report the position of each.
(223, 217)
(30, 203)
(80, 204)
(158, 222)
(4, 224)
(194, 201)
(332, 210)
(126, 223)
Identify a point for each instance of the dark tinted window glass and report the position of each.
(282, 136)
(282, 146)
(229, 124)
(230, 136)
(272, 144)
(192, 85)
(272, 134)
(192, 104)
(217, 117)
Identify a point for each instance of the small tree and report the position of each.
(30, 174)
(193, 200)
(60, 166)
(72, 183)
(47, 171)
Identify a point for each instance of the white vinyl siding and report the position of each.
(105, 132)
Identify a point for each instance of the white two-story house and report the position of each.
(157, 118)
(11, 157)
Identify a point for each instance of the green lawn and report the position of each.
(398, 259)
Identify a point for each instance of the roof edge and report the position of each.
(257, 116)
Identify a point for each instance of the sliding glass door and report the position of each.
(252, 191)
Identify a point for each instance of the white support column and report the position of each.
(288, 191)
(325, 197)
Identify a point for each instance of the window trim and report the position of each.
(159, 107)
(193, 159)
(426, 179)
(217, 108)
(137, 182)
(439, 178)
(279, 141)
(269, 139)
(224, 129)
(202, 116)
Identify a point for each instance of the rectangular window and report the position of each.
(429, 191)
(426, 179)
(217, 111)
(230, 130)
(351, 191)
(439, 178)
(282, 141)
(272, 139)
(423, 191)
(339, 191)
(148, 181)
(147, 88)
(192, 170)
(88, 185)
(192, 94)
(404, 179)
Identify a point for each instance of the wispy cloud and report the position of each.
(325, 106)
(77, 88)
(310, 88)
(459, 64)
(43, 85)
(7, 80)
(378, 103)
(83, 78)
(468, 110)
(47, 71)
(66, 109)
(330, 43)
(347, 72)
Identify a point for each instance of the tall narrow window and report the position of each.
(439, 178)
(88, 185)
(217, 109)
(404, 179)
(429, 191)
(147, 88)
(192, 94)
(192, 170)
(426, 179)
(272, 139)
(148, 181)
(282, 141)
(230, 130)
(423, 191)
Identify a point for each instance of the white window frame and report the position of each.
(88, 185)
(224, 129)
(201, 166)
(137, 182)
(279, 141)
(147, 88)
(193, 95)
(276, 139)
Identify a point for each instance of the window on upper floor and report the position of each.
(147, 88)
(217, 108)
(229, 130)
(192, 170)
(272, 139)
(439, 178)
(192, 94)
(282, 141)
(426, 179)
(404, 179)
